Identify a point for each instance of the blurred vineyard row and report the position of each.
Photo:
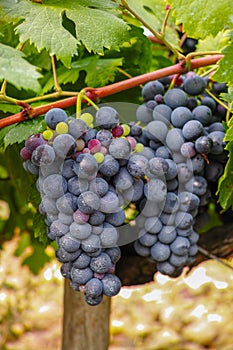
(190, 313)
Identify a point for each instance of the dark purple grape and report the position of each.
(55, 116)
(34, 141)
(77, 128)
(175, 98)
(219, 87)
(106, 117)
(180, 246)
(194, 85)
(101, 264)
(160, 252)
(93, 288)
(192, 130)
(203, 144)
(111, 285)
(209, 102)
(69, 243)
(81, 276)
(218, 144)
(114, 253)
(151, 89)
(203, 114)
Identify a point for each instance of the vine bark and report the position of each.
(85, 327)
(179, 68)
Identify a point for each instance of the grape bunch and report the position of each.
(91, 169)
(182, 126)
(81, 172)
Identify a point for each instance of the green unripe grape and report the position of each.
(62, 128)
(139, 147)
(99, 157)
(87, 118)
(126, 129)
(47, 134)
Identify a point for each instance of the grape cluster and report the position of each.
(81, 172)
(183, 127)
(91, 169)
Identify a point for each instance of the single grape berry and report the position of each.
(192, 130)
(151, 89)
(34, 141)
(94, 146)
(175, 98)
(55, 116)
(88, 202)
(117, 131)
(194, 85)
(203, 144)
(106, 117)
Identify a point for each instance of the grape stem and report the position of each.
(14, 101)
(82, 96)
(168, 10)
(178, 68)
(85, 97)
(79, 104)
(122, 71)
(159, 36)
(174, 80)
(53, 95)
(228, 116)
(55, 78)
(209, 72)
(191, 55)
(182, 40)
(3, 87)
(104, 91)
(217, 100)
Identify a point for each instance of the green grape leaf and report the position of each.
(98, 72)
(211, 43)
(37, 259)
(136, 55)
(8, 36)
(16, 70)
(153, 13)
(6, 107)
(225, 71)
(112, 31)
(22, 131)
(104, 4)
(104, 72)
(42, 25)
(39, 226)
(228, 97)
(202, 18)
(225, 184)
(39, 229)
(12, 11)
(40, 59)
(3, 133)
